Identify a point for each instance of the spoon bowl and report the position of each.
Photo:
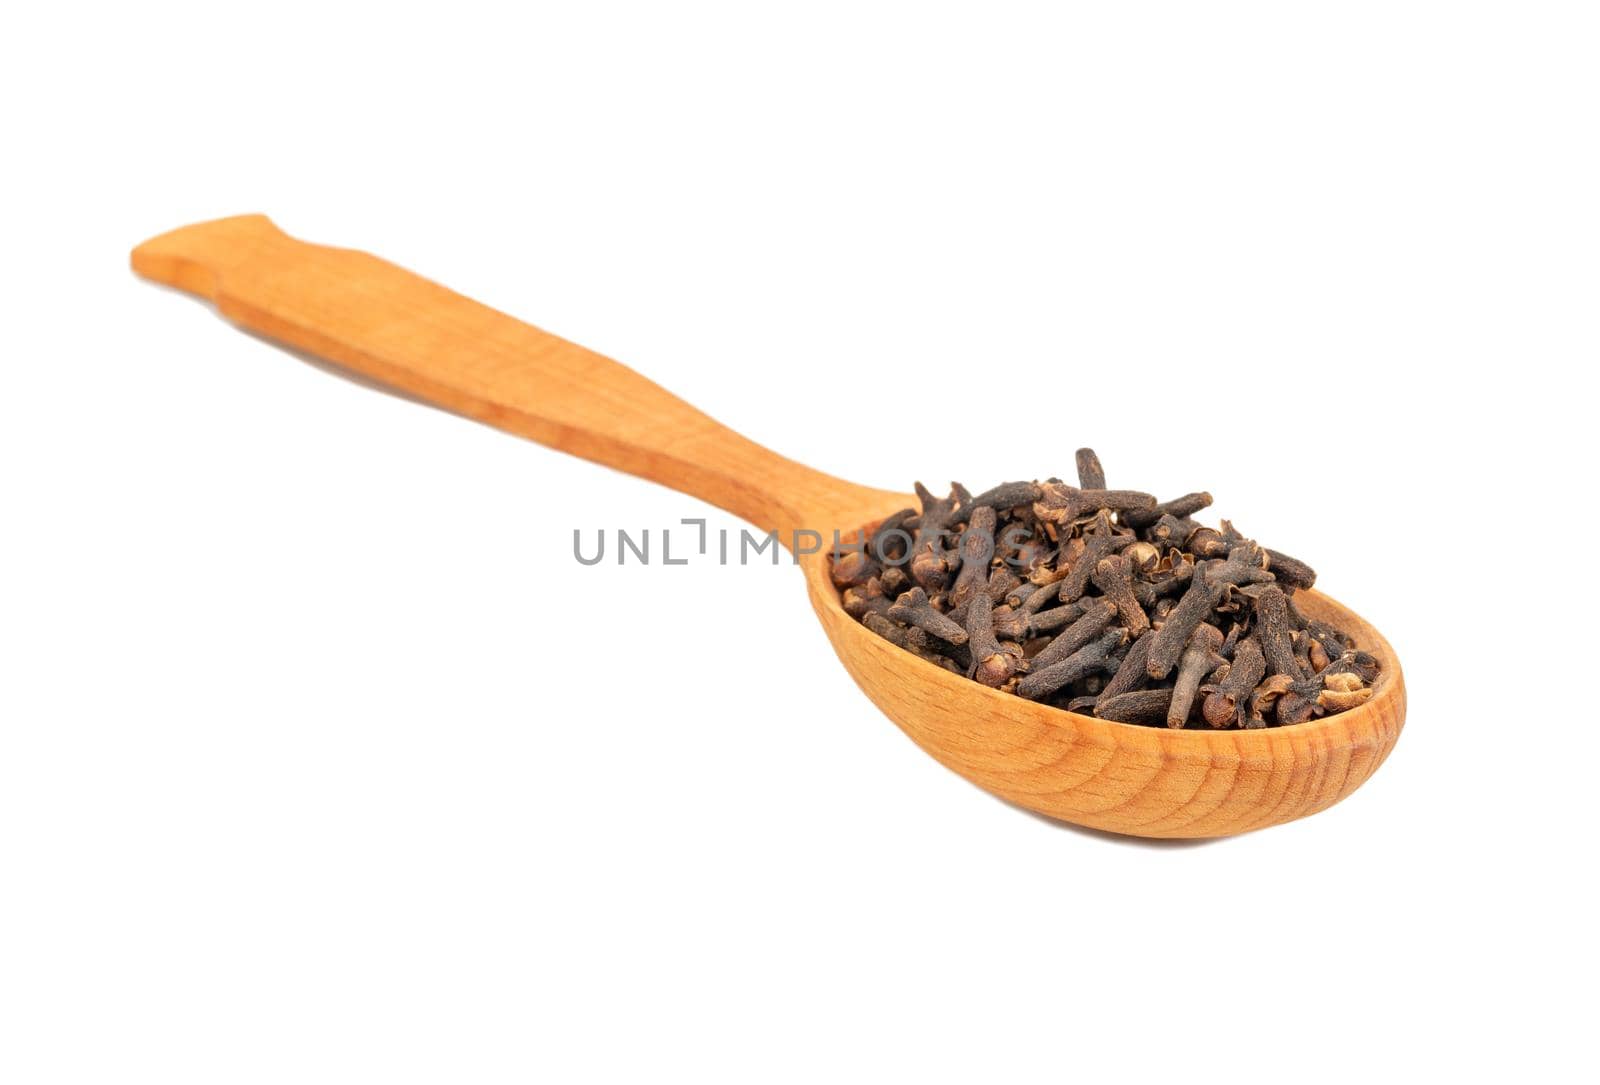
(395, 327)
(1119, 777)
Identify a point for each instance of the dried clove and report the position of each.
(1289, 571)
(993, 663)
(1113, 575)
(853, 568)
(1179, 508)
(1007, 495)
(1102, 541)
(1094, 621)
(1130, 674)
(1148, 706)
(977, 548)
(1273, 629)
(930, 559)
(1224, 703)
(859, 600)
(915, 608)
(1149, 592)
(1105, 602)
(1047, 621)
(1091, 476)
(1199, 659)
(894, 581)
(1060, 504)
(1299, 701)
(892, 538)
(1206, 543)
(1195, 606)
(1091, 657)
(1169, 530)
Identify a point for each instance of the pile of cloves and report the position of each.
(1104, 602)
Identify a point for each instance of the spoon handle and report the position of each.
(402, 330)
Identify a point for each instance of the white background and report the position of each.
(321, 759)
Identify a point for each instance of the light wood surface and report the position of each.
(398, 328)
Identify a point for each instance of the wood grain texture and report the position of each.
(398, 328)
(1140, 781)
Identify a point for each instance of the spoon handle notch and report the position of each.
(402, 330)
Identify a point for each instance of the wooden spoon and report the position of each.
(402, 330)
